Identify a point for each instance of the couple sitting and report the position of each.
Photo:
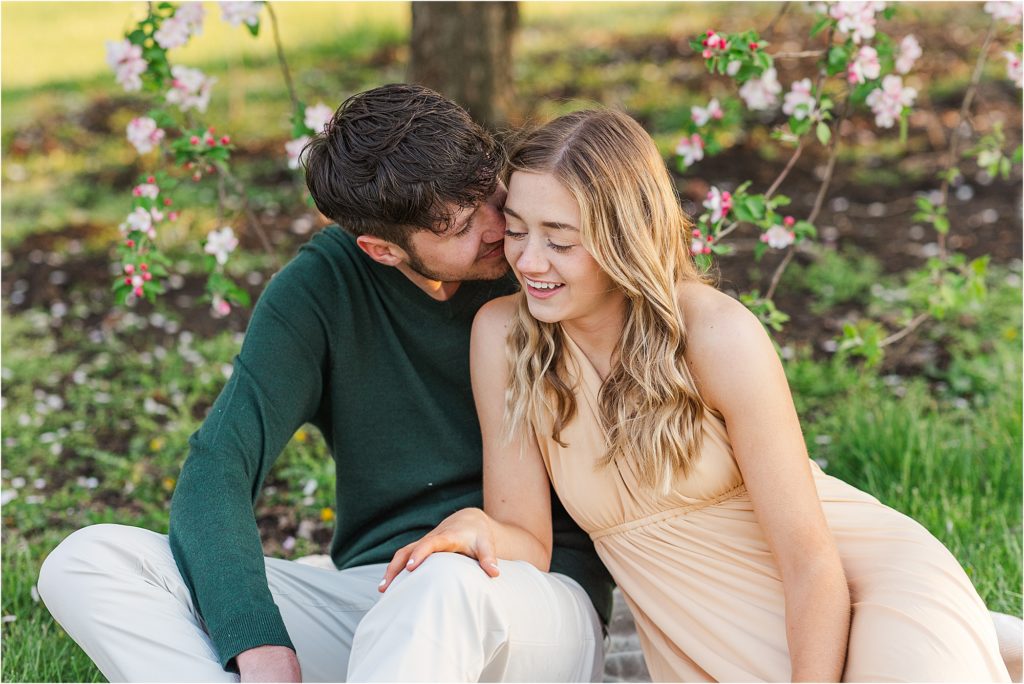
(653, 404)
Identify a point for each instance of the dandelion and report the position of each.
(326, 515)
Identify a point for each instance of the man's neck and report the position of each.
(437, 289)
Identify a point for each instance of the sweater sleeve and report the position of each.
(275, 388)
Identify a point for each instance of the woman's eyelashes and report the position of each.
(516, 235)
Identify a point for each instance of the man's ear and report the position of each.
(381, 251)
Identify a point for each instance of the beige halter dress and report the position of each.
(705, 590)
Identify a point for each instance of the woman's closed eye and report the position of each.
(517, 235)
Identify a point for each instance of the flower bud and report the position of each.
(167, 201)
(127, 281)
(147, 276)
(196, 176)
(150, 179)
(138, 291)
(753, 46)
(129, 269)
(144, 266)
(173, 216)
(129, 243)
(194, 140)
(789, 221)
(225, 140)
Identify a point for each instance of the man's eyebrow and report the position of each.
(461, 226)
(547, 224)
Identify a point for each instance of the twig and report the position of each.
(954, 137)
(250, 214)
(785, 171)
(280, 58)
(770, 29)
(907, 329)
(798, 55)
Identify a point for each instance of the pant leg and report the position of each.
(117, 591)
(449, 622)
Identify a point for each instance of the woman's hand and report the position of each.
(468, 532)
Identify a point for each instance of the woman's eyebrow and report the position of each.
(547, 224)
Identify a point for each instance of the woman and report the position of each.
(658, 409)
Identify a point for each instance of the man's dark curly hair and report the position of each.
(399, 158)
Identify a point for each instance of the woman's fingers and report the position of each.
(486, 557)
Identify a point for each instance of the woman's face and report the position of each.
(561, 280)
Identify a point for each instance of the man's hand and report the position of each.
(467, 532)
(269, 664)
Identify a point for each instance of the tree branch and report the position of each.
(907, 329)
(280, 58)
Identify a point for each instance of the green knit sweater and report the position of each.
(382, 370)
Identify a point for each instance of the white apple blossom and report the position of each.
(294, 150)
(143, 134)
(865, 66)
(1010, 12)
(140, 220)
(690, 149)
(856, 19)
(909, 52)
(701, 115)
(799, 101)
(174, 32)
(778, 237)
(1013, 67)
(192, 13)
(733, 67)
(127, 62)
(317, 117)
(888, 102)
(221, 243)
(238, 13)
(718, 203)
(190, 88)
(763, 92)
(698, 246)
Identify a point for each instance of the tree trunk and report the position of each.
(464, 51)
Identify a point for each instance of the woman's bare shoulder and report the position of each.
(493, 317)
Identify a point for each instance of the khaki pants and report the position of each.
(117, 591)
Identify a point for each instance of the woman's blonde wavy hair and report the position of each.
(633, 226)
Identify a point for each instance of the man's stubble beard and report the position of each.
(415, 264)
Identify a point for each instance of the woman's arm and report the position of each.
(516, 521)
(739, 374)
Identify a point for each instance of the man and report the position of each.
(365, 334)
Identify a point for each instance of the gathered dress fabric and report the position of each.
(705, 590)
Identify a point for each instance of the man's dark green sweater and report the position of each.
(382, 369)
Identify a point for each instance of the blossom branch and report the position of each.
(281, 59)
(906, 330)
(965, 109)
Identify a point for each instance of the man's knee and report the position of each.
(84, 553)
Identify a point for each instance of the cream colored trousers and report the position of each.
(117, 591)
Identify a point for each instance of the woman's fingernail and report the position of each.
(411, 561)
(495, 566)
(382, 582)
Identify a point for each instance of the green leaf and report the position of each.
(823, 132)
(755, 205)
(821, 23)
(254, 29)
(942, 224)
(904, 124)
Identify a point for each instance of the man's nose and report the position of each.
(494, 225)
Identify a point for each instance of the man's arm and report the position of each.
(275, 387)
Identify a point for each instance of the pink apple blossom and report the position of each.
(865, 66)
(148, 190)
(238, 13)
(690, 149)
(700, 244)
(733, 67)
(174, 32)
(1013, 67)
(778, 237)
(856, 19)
(1010, 12)
(220, 307)
(317, 117)
(144, 134)
(763, 92)
(221, 243)
(888, 102)
(294, 150)
(192, 13)
(718, 203)
(799, 101)
(910, 50)
(190, 88)
(701, 115)
(127, 62)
